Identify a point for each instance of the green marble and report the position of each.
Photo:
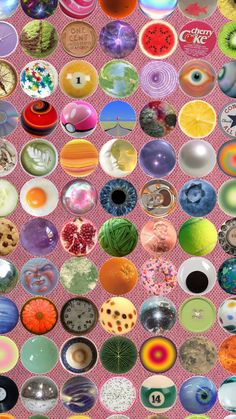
(118, 78)
(79, 275)
(39, 355)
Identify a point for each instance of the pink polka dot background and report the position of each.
(137, 137)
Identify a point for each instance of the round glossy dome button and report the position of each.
(197, 315)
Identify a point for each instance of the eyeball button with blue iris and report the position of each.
(118, 197)
(198, 394)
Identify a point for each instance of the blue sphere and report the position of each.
(197, 198)
(157, 158)
(227, 276)
(198, 394)
(9, 315)
(8, 8)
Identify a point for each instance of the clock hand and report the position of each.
(3, 87)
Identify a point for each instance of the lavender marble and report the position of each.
(39, 237)
(157, 158)
(118, 39)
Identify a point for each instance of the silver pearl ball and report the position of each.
(197, 158)
(39, 394)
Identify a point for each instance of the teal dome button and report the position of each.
(39, 355)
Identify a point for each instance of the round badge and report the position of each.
(45, 232)
(8, 157)
(158, 39)
(197, 276)
(197, 119)
(79, 158)
(38, 9)
(158, 119)
(78, 355)
(227, 158)
(158, 79)
(39, 197)
(157, 158)
(79, 394)
(198, 395)
(78, 276)
(8, 394)
(9, 237)
(158, 354)
(226, 395)
(79, 237)
(200, 10)
(227, 79)
(7, 9)
(227, 119)
(8, 79)
(159, 9)
(39, 79)
(118, 355)
(118, 276)
(118, 158)
(226, 40)
(39, 276)
(118, 39)
(78, 39)
(39, 355)
(38, 157)
(197, 314)
(158, 394)
(9, 354)
(39, 39)
(227, 354)
(9, 198)
(227, 236)
(197, 78)
(158, 237)
(118, 197)
(197, 197)
(157, 315)
(118, 118)
(39, 315)
(118, 316)
(39, 394)
(227, 276)
(198, 355)
(79, 119)
(197, 158)
(39, 118)
(158, 198)
(227, 313)
(78, 197)
(78, 79)
(118, 10)
(8, 276)
(118, 394)
(8, 118)
(9, 36)
(118, 78)
(197, 39)
(78, 9)
(79, 316)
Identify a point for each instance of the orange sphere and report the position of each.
(227, 353)
(118, 276)
(118, 9)
(79, 158)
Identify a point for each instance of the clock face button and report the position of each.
(79, 316)
(8, 79)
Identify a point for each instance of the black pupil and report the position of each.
(118, 197)
(197, 282)
(197, 76)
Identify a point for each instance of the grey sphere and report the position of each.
(197, 158)
(39, 394)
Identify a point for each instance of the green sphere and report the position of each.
(118, 237)
(39, 39)
(39, 355)
(118, 78)
(198, 236)
(227, 197)
(38, 417)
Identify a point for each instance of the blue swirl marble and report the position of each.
(118, 197)
(157, 9)
(8, 8)
(79, 394)
(9, 315)
(227, 276)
